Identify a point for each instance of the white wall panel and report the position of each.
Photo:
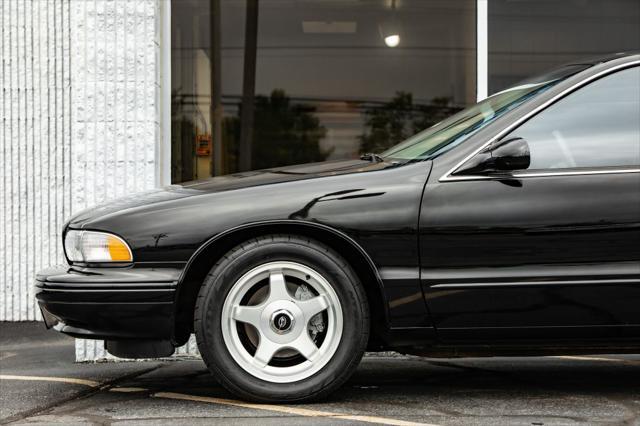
(93, 350)
(81, 84)
(115, 114)
(115, 91)
(35, 146)
(80, 126)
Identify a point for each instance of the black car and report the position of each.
(510, 228)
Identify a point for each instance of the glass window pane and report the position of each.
(527, 37)
(190, 90)
(310, 80)
(457, 128)
(596, 126)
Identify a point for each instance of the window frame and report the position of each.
(449, 175)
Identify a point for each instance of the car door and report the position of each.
(552, 251)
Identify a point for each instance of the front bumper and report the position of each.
(109, 303)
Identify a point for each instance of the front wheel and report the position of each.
(281, 319)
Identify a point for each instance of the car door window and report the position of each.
(597, 126)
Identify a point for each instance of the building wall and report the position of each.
(81, 86)
(35, 146)
(116, 118)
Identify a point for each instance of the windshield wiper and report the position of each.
(374, 158)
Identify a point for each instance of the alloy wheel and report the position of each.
(282, 322)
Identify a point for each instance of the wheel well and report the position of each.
(204, 260)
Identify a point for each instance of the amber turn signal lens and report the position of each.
(118, 250)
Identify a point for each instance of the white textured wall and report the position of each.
(115, 63)
(35, 146)
(93, 350)
(80, 125)
(80, 112)
(115, 75)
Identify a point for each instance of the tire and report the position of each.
(243, 316)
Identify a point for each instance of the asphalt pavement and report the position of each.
(41, 384)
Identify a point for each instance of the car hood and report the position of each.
(224, 183)
(283, 174)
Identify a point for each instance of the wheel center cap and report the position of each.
(282, 321)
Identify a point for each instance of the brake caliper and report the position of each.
(316, 324)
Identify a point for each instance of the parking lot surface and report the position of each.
(40, 384)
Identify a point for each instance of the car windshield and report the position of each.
(457, 128)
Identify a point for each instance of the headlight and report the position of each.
(91, 246)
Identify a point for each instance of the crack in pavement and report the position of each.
(80, 395)
(627, 412)
(108, 386)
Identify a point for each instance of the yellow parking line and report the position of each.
(287, 410)
(90, 383)
(222, 401)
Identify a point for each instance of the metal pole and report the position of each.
(248, 84)
(482, 50)
(216, 90)
(163, 165)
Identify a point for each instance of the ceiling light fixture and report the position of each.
(392, 40)
(390, 30)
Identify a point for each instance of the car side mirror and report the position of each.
(499, 157)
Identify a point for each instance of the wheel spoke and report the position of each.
(277, 286)
(264, 353)
(270, 327)
(313, 306)
(248, 314)
(305, 346)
